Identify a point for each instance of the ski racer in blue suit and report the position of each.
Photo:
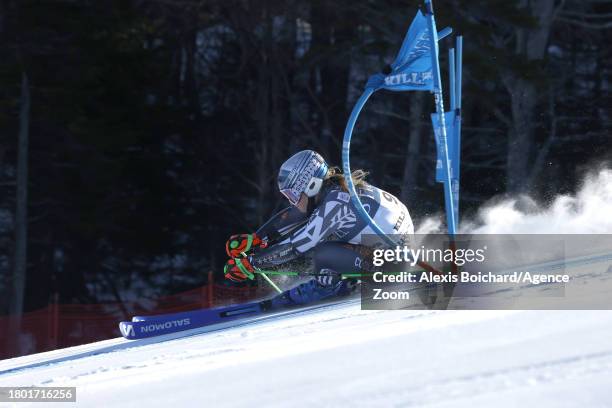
(320, 223)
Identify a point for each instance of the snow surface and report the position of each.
(340, 355)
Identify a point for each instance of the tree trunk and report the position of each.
(531, 44)
(409, 179)
(331, 33)
(21, 217)
(523, 99)
(269, 111)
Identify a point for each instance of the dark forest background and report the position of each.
(136, 136)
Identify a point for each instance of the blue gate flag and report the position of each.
(411, 70)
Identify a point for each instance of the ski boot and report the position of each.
(313, 291)
(302, 294)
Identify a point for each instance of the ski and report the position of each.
(156, 325)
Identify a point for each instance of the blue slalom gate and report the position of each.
(417, 68)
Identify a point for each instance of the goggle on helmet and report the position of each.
(302, 173)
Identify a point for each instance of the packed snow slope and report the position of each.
(339, 355)
(342, 356)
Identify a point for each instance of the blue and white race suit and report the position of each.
(333, 230)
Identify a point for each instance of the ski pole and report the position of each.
(266, 277)
(343, 275)
(270, 282)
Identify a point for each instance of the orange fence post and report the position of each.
(56, 319)
(211, 284)
(203, 297)
(52, 317)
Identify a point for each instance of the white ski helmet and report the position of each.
(302, 173)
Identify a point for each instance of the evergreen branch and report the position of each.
(585, 24)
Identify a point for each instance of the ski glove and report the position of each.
(239, 270)
(241, 245)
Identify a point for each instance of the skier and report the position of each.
(320, 223)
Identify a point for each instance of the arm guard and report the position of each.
(275, 255)
(281, 224)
